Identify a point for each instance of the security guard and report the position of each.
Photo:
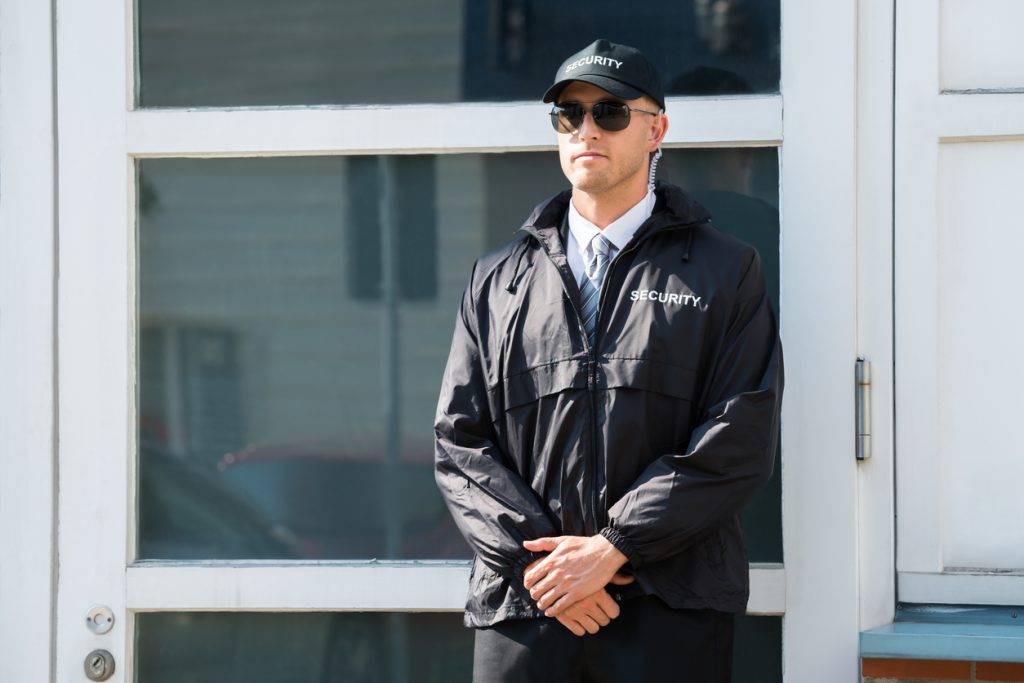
(610, 403)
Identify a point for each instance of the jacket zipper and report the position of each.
(599, 518)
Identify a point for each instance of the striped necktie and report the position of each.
(590, 285)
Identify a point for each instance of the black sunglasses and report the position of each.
(608, 114)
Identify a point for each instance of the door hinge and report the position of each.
(862, 375)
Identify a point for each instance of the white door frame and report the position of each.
(100, 136)
(819, 248)
(875, 476)
(28, 459)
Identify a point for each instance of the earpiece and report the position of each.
(654, 168)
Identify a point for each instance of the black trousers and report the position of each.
(649, 641)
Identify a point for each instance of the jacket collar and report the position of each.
(673, 208)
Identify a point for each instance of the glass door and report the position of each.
(268, 215)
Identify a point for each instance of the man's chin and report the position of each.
(589, 183)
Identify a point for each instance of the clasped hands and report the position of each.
(569, 582)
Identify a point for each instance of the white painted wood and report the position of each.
(962, 588)
(27, 372)
(819, 84)
(767, 590)
(306, 586)
(957, 164)
(976, 116)
(423, 128)
(980, 44)
(95, 345)
(875, 500)
(400, 586)
(915, 279)
(982, 370)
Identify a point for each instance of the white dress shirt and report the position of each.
(581, 231)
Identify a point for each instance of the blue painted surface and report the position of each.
(982, 634)
(961, 614)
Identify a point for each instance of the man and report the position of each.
(610, 402)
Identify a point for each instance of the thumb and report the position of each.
(542, 544)
(622, 579)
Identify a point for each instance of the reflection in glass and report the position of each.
(295, 317)
(739, 187)
(304, 647)
(264, 52)
(354, 647)
(757, 650)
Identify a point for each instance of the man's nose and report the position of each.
(587, 127)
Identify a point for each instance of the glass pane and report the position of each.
(740, 188)
(295, 317)
(353, 647)
(757, 650)
(265, 52)
(304, 647)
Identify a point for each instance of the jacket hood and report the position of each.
(673, 206)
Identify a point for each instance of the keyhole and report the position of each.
(99, 665)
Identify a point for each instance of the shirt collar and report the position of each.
(618, 232)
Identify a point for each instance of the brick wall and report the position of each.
(939, 671)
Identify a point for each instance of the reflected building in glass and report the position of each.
(255, 52)
(295, 320)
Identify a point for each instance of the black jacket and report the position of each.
(655, 438)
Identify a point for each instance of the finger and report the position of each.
(541, 586)
(534, 564)
(572, 625)
(589, 623)
(579, 614)
(571, 622)
(560, 604)
(542, 544)
(548, 600)
(587, 607)
(596, 612)
(608, 605)
(532, 576)
(549, 583)
(622, 579)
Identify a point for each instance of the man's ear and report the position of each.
(658, 130)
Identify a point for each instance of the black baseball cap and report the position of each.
(622, 70)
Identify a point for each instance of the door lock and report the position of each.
(99, 665)
(99, 619)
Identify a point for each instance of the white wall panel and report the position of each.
(980, 47)
(981, 369)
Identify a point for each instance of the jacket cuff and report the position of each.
(623, 546)
(525, 561)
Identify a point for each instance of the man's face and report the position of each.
(597, 161)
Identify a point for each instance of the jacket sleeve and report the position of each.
(680, 497)
(493, 506)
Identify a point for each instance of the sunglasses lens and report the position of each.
(567, 118)
(611, 115)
